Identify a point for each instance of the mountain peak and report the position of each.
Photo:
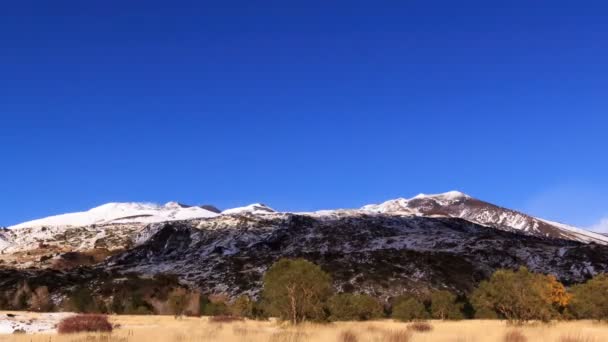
(176, 205)
(450, 195)
(255, 208)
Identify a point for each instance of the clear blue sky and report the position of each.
(303, 105)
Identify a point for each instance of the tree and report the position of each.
(295, 290)
(82, 301)
(444, 306)
(41, 300)
(409, 309)
(242, 306)
(354, 307)
(178, 300)
(519, 296)
(211, 308)
(590, 300)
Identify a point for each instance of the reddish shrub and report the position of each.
(515, 336)
(348, 336)
(420, 327)
(84, 323)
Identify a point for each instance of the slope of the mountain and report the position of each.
(113, 227)
(379, 254)
(122, 213)
(457, 204)
(4, 242)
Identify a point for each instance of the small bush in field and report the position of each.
(84, 323)
(225, 319)
(420, 327)
(348, 336)
(397, 336)
(515, 336)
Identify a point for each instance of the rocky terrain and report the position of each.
(448, 240)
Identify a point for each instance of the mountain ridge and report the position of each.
(443, 241)
(448, 204)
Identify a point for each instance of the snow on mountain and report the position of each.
(113, 225)
(122, 213)
(459, 205)
(4, 243)
(403, 205)
(255, 209)
(587, 235)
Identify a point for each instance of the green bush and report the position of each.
(444, 306)
(243, 306)
(178, 300)
(409, 309)
(520, 296)
(209, 308)
(354, 307)
(590, 300)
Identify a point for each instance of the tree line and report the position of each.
(297, 290)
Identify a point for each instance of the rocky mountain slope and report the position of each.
(378, 254)
(448, 240)
(457, 204)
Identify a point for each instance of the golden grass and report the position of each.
(165, 328)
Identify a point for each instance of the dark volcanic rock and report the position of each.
(380, 255)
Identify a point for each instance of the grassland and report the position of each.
(165, 328)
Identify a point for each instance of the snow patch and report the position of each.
(122, 213)
(256, 209)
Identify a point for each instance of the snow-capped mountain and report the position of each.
(460, 205)
(448, 240)
(114, 213)
(115, 226)
(449, 204)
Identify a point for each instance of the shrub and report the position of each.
(409, 309)
(178, 301)
(348, 336)
(514, 336)
(420, 327)
(520, 296)
(84, 323)
(589, 300)
(242, 306)
(209, 308)
(296, 289)
(354, 307)
(444, 306)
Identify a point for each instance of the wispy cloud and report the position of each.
(600, 227)
(577, 204)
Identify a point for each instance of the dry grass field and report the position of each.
(164, 328)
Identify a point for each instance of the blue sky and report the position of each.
(303, 105)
